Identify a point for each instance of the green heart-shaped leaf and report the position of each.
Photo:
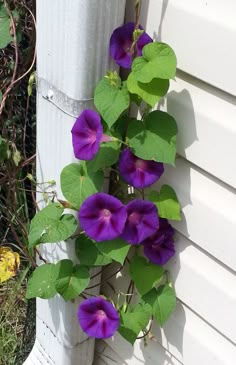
(150, 92)
(77, 184)
(167, 203)
(116, 249)
(144, 274)
(133, 321)
(111, 98)
(107, 155)
(155, 138)
(41, 284)
(162, 301)
(88, 253)
(51, 225)
(71, 280)
(158, 61)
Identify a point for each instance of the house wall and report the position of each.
(202, 99)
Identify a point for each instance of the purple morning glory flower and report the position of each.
(102, 217)
(142, 221)
(87, 134)
(138, 172)
(121, 42)
(159, 248)
(98, 318)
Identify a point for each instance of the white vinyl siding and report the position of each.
(202, 99)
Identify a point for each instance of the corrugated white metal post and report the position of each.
(73, 38)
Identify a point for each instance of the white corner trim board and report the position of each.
(72, 46)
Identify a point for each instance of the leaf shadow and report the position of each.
(140, 135)
(180, 106)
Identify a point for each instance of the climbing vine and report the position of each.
(129, 224)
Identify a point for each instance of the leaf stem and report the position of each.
(105, 280)
(146, 332)
(137, 13)
(115, 139)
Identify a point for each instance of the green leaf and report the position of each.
(0, 96)
(165, 304)
(107, 155)
(3, 11)
(150, 92)
(71, 280)
(16, 156)
(111, 99)
(158, 61)
(77, 184)
(144, 274)
(116, 249)
(88, 253)
(133, 321)
(5, 36)
(42, 282)
(4, 149)
(150, 298)
(17, 18)
(162, 301)
(155, 138)
(49, 225)
(167, 203)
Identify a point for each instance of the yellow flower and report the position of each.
(9, 263)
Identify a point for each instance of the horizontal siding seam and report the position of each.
(207, 174)
(206, 253)
(206, 322)
(211, 89)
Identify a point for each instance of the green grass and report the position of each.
(13, 310)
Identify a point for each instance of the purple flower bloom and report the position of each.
(102, 217)
(138, 172)
(121, 42)
(98, 318)
(142, 221)
(87, 134)
(159, 248)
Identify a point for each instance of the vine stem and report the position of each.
(120, 140)
(109, 277)
(34, 57)
(130, 291)
(40, 256)
(13, 80)
(24, 163)
(146, 332)
(100, 272)
(137, 13)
